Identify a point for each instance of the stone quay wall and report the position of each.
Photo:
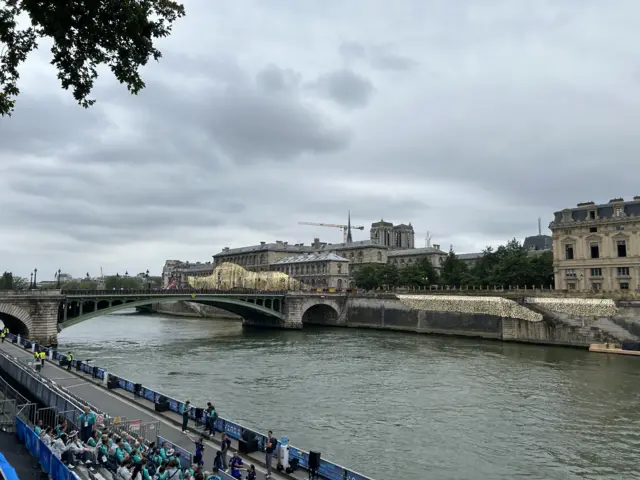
(550, 321)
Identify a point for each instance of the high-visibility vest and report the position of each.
(70, 357)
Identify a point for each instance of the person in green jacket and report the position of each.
(185, 410)
(38, 427)
(86, 420)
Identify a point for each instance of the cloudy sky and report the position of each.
(468, 119)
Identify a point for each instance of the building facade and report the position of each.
(176, 272)
(597, 247)
(407, 257)
(392, 236)
(321, 270)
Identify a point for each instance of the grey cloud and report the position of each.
(383, 59)
(273, 79)
(352, 51)
(344, 87)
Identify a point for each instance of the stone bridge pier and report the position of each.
(312, 309)
(33, 314)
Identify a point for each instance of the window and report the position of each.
(592, 214)
(339, 283)
(596, 272)
(595, 250)
(571, 273)
(622, 248)
(379, 256)
(593, 229)
(339, 268)
(571, 286)
(619, 211)
(623, 271)
(619, 227)
(624, 285)
(568, 252)
(596, 286)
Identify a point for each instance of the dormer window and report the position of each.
(619, 211)
(592, 214)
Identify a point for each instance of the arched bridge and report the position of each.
(42, 314)
(254, 306)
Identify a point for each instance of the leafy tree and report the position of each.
(368, 276)
(454, 271)
(118, 282)
(419, 274)
(80, 285)
(85, 35)
(9, 282)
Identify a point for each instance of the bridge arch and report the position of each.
(16, 319)
(320, 314)
(233, 305)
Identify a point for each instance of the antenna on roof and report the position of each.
(427, 241)
(539, 226)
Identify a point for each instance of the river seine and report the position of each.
(392, 405)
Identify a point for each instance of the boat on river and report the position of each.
(612, 348)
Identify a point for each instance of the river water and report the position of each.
(388, 404)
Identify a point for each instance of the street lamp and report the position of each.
(117, 280)
(146, 276)
(57, 275)
(31, 281)
(35, 278)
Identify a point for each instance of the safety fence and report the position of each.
(327, 470)
(49, 462)
(149, 431)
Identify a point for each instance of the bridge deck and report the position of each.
(120, 403)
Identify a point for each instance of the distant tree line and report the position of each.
(508, 265)
(10, 282)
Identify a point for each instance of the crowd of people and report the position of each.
(129, 457)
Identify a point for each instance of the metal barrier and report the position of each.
(48, 416)
(8, 411)
(147, 431)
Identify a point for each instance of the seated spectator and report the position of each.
(38, 427)
(46, 436)
(59, 446)
(123, 472)
(61, 427)
(120, 453)
(173, 473)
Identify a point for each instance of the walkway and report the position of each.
(118, 402)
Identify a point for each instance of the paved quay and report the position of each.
(119, 403)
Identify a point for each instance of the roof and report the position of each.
(603, 211)
(267, 247)
(415, 251)
(353, 245)
(402, 226)
(538, 242)
(381, 223)
(469, 256)
(313, 257)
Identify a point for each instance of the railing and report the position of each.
(177, 292)
(328, 470)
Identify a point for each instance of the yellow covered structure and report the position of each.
(229, 275)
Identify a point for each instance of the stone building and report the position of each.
(406, 257)
(259, 258)
(392, 236)
(177, 272)
(597, 247)
(321, 269)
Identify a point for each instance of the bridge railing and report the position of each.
(328, 470)
(174, 291)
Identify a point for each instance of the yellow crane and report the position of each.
(345, 228)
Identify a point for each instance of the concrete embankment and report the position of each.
(191, 309)
(552, 321)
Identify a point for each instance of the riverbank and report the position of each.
(193, 310)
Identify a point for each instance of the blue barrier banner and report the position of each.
(58, 470)
(45, 458)
(6, 470)
(186, 459)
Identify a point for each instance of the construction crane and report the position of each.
(345, 228)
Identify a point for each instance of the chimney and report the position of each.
(278, 242)
(263, 243)
(286, 243)
(637, 197)
(436, 246)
